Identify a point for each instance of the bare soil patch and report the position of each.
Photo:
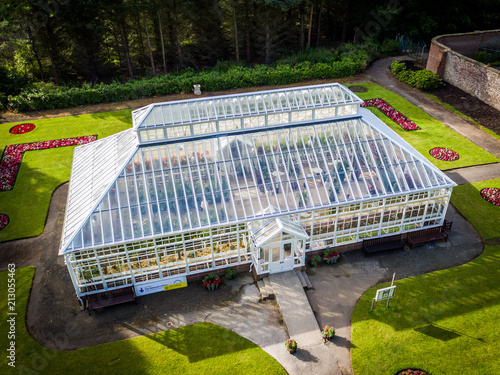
(469, 105)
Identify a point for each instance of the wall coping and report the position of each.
(447, 49)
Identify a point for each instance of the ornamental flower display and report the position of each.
(412, 372)
(491, 195)
(330, 255)
(328, 332)
(13, 155)
(390, 112)
(22, 128)
(291, 345)
(4, 220)
(443, 153)
(211, 281)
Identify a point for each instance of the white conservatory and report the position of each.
(248, 180)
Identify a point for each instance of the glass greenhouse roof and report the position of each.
(121, 191)
(242, 111)
(274, 226)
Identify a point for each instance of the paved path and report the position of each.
(379, 73)
(474, 174)
(335, 294)
(295, 309)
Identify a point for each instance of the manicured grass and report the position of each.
(43, 171)
(432, 133)
(484, 215)
(458, 113)
(201, 348)
(444, 322)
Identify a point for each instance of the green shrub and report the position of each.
(315, 260)
(230, 273)
(482, 56)
(348, 61)
(421, 79)
(390, 47)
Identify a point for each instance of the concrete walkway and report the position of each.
(295, 309)
(474, 174)
(302, 326)
(379, 73)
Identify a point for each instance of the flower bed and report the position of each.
(443, 153)
(4, 220)
(390, 112)
(13, 155)
(491, 195)
(412, 372)
(22, 128)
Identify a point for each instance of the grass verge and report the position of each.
(483, 215)
(201, 348)
(465, 117)
(43, 171)
(432, 133)
(444, 322)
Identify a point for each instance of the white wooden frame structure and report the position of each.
(195, 183)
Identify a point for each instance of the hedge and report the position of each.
(421, 79)
(51, 96)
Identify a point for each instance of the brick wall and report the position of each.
(448, 58)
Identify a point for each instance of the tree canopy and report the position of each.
(72, 41)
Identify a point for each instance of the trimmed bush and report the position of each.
(421, 79)
(352, 60)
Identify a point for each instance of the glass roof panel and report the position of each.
(94, 170)
(195, 184)
(248, 104)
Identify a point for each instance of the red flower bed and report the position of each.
(13, 155)
(412, 372)
(4, 220)
(491, 195)
(443, 153)
(390, 112)
(22, 128)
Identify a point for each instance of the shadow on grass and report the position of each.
(442, 333)
(439, 295)
(199, 342)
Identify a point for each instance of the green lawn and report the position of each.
(467, 199)
(458, 113)
(44, 170)
(201, 348)
(444, 322)
(432, 133)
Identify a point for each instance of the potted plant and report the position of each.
(291, 345)
(328, 332)
(315, 260)
(230, 273)
(211, 281)
(330, 255)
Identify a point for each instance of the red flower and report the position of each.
(390, 112)
(4, 220)
(491, 195)
(445, 154)
(22, 128)
(13, 155)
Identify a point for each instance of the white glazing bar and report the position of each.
(254, 160)
(234, 173)
(250, 200)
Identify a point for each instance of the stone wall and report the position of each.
(448, 57)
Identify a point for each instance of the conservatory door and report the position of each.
(281, 256)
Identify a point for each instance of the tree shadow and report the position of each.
(199, 341)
